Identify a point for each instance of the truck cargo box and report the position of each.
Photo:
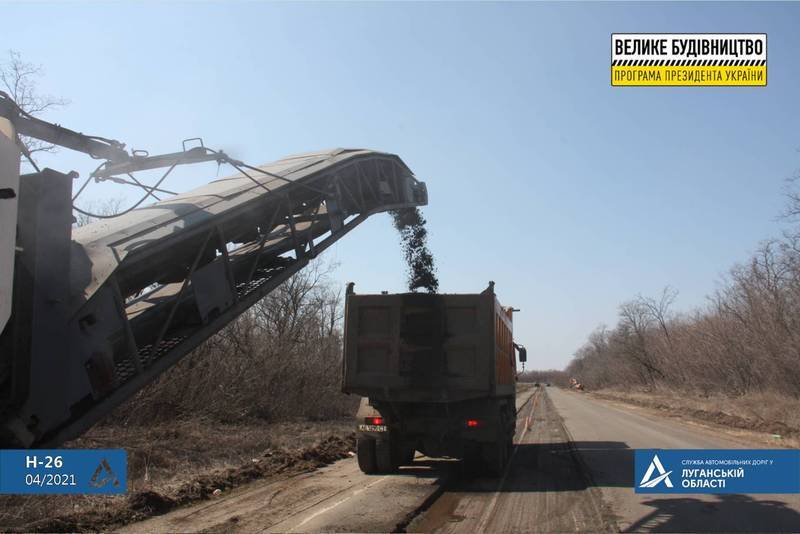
(415, 347)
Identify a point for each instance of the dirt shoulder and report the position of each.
(765, 420)
(172, 465)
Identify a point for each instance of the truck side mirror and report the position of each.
(523, 354)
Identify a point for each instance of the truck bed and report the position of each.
(415, 347)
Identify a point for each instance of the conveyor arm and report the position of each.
(101, 313)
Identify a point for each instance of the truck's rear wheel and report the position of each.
(365, 451)
(385, 457)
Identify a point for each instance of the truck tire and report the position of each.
(365, 451)
(385, 457)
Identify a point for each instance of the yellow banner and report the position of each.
(727, 75)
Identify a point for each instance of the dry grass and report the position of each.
(173, 464)
(262, 397)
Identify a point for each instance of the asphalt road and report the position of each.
(336, 498)
(543, 489)
(605, 436)
(571, 471)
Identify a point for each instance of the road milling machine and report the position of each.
(89, 315)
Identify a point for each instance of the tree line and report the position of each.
(279, 360)
(745, 339)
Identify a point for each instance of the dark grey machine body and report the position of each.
(100, 311)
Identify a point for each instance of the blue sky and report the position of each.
(571, 195)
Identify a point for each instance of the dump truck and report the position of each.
(436, 373)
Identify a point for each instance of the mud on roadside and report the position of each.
(317, 444)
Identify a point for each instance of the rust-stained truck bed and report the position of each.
(428, 348)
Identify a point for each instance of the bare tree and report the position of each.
(635, 323)
(19, 79)
(280, 359)
(659, 308)
(747, 340)
(109, 206)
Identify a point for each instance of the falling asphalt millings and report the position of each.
(410, 224)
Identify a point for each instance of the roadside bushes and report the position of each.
(279, 360)
(746, 339)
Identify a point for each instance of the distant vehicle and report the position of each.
(547, 384)
(436, 373)
(536, 384)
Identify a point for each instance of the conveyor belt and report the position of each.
(147, 287)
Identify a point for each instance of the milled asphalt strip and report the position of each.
(489, 511)
(422, 508)
(402, 526)
(595, 495)
(522, 406)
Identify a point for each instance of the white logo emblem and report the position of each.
(655, 465)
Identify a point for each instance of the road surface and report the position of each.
(336, 498)
(571, 471)
(605, 436)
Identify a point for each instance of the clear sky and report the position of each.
(570, 194)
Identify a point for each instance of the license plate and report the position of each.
(372, 428)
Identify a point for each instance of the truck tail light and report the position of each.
(374, 420)
(473, 423)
